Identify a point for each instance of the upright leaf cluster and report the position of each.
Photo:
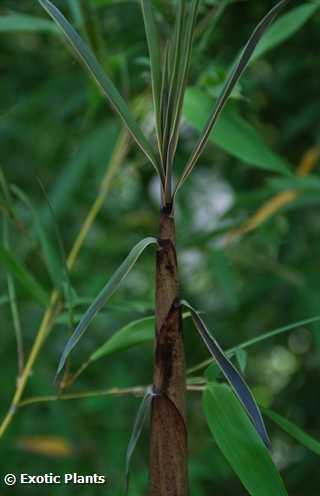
(169, 77)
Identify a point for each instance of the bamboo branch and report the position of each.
(134, 391)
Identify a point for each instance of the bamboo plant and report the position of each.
(169, 65)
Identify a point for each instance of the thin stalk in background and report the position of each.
(54, 307)
(13, 303)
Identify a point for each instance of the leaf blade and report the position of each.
(294, 431)
(140, 330)
(181, 82)
(240, 443)
(287, 25)
(271, 334)
(155, 61)
(233, 134)
(234, 378)
(105, 84)
(26, 23)
(103, 297)
(137, 332)
(233, 78)
(253, 341)
(136, 432)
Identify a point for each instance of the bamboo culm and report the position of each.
(168, 446)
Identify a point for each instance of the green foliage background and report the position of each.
(54, 125)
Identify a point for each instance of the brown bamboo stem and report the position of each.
(168, 449)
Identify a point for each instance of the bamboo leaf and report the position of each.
(12, 23)
(155, 60)
(232, 375)
(233, 133)
(64, 282)
(180, 87)
(139, 422)
(22, 274)
(294, 431)
(284, 27)
(105, 84)
(164, 95)
(106, 293)
(272, 334)
(76, 11)
(242, 358)
(240, 444)
(233, 78)
(174, 58)
(138, 332)
(258, 339)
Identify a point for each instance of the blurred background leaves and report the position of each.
(249, 266)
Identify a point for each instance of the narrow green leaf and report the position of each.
(285, 27)
(105, 84)
(155, 61)
(258, 339)
(139, 422)
(164, 95)
(104, 296)
(233, 133)
(240, 444)
(76, 11)
(231, 374)
(138, 332)
(22, 274)
(242, 358)
(272, 334)
(63, 270)
(234, 77)
(174, 58)
(294, 431)
(180, 87)
(12, 23)
(212, 373)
